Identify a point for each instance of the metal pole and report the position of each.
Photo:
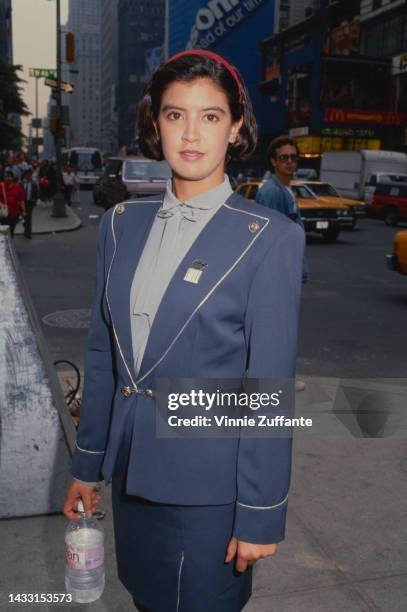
(166, 29)
(58, 209)
(36, 117)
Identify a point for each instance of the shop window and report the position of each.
(392, 35)
(373, 42)
(298, 95)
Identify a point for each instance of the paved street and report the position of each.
(353, 314)
(346, 531)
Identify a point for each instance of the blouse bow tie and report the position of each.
(186, 210)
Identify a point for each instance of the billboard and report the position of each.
(229, 27)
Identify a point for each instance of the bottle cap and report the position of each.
(80, 506)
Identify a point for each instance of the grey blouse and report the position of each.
(174, 230)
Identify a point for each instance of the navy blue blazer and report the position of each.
(240, 318)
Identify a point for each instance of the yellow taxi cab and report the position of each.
(318, 215)
(327, 192)
(398, 259)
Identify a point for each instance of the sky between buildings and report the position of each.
(34, 46)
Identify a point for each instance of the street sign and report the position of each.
(36, 123)
(37, 142)
(48, 73)
(63, 85)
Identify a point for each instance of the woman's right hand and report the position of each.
(77, 491)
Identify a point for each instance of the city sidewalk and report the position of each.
(346, 530)
(44, 223)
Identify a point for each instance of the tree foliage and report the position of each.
(11, 103)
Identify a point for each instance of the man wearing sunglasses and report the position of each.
(282, 157)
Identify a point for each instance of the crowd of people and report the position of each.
(24, 182)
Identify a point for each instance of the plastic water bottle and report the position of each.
(84, 570)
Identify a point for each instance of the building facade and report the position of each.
(323, 86)
(140, 31)
(84, 20)
(302, 9)
(109, 75)
(384, 34)
(290, 12)
(229, 27)
(6, 34)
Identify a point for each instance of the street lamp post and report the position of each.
(58, 208)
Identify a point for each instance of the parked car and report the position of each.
(390, 202)
(307, 174)
(376, 180)
(327, 192)
(130, 177)
(398, 259)
(320, 216)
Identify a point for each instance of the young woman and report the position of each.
(199, 284)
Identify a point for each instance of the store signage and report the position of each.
(299, 131)
(349, 132)
(399, 65)
(355, 115)
(217, 19)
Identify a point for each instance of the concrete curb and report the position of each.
(43, 223)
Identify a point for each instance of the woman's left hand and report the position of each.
(247, 554)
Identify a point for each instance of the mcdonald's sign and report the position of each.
(357, 116)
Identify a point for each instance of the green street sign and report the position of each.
(48, 73)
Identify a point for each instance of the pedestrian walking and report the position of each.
(197, 284)
(31, 196)
(76, 195)
(12, 202)
(69, 183)
(44, 182)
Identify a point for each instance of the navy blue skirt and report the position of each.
(171, 558)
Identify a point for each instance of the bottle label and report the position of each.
(84, 557)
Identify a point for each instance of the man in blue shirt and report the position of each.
(276, 193)
(282, 156)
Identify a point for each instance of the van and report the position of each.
(349, 171)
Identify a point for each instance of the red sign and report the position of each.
(356, 115)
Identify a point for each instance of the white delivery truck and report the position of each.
(350, 171)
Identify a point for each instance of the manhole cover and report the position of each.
(72, 319)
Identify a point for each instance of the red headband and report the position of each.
(216, 58)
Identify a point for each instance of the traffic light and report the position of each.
(53, 125)
(69, 47)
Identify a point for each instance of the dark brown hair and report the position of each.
(187, 69)
(278, 142)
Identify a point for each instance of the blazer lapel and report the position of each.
(219, 248)
(131, 224)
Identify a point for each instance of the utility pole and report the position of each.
(36, 118)
(58, 209)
